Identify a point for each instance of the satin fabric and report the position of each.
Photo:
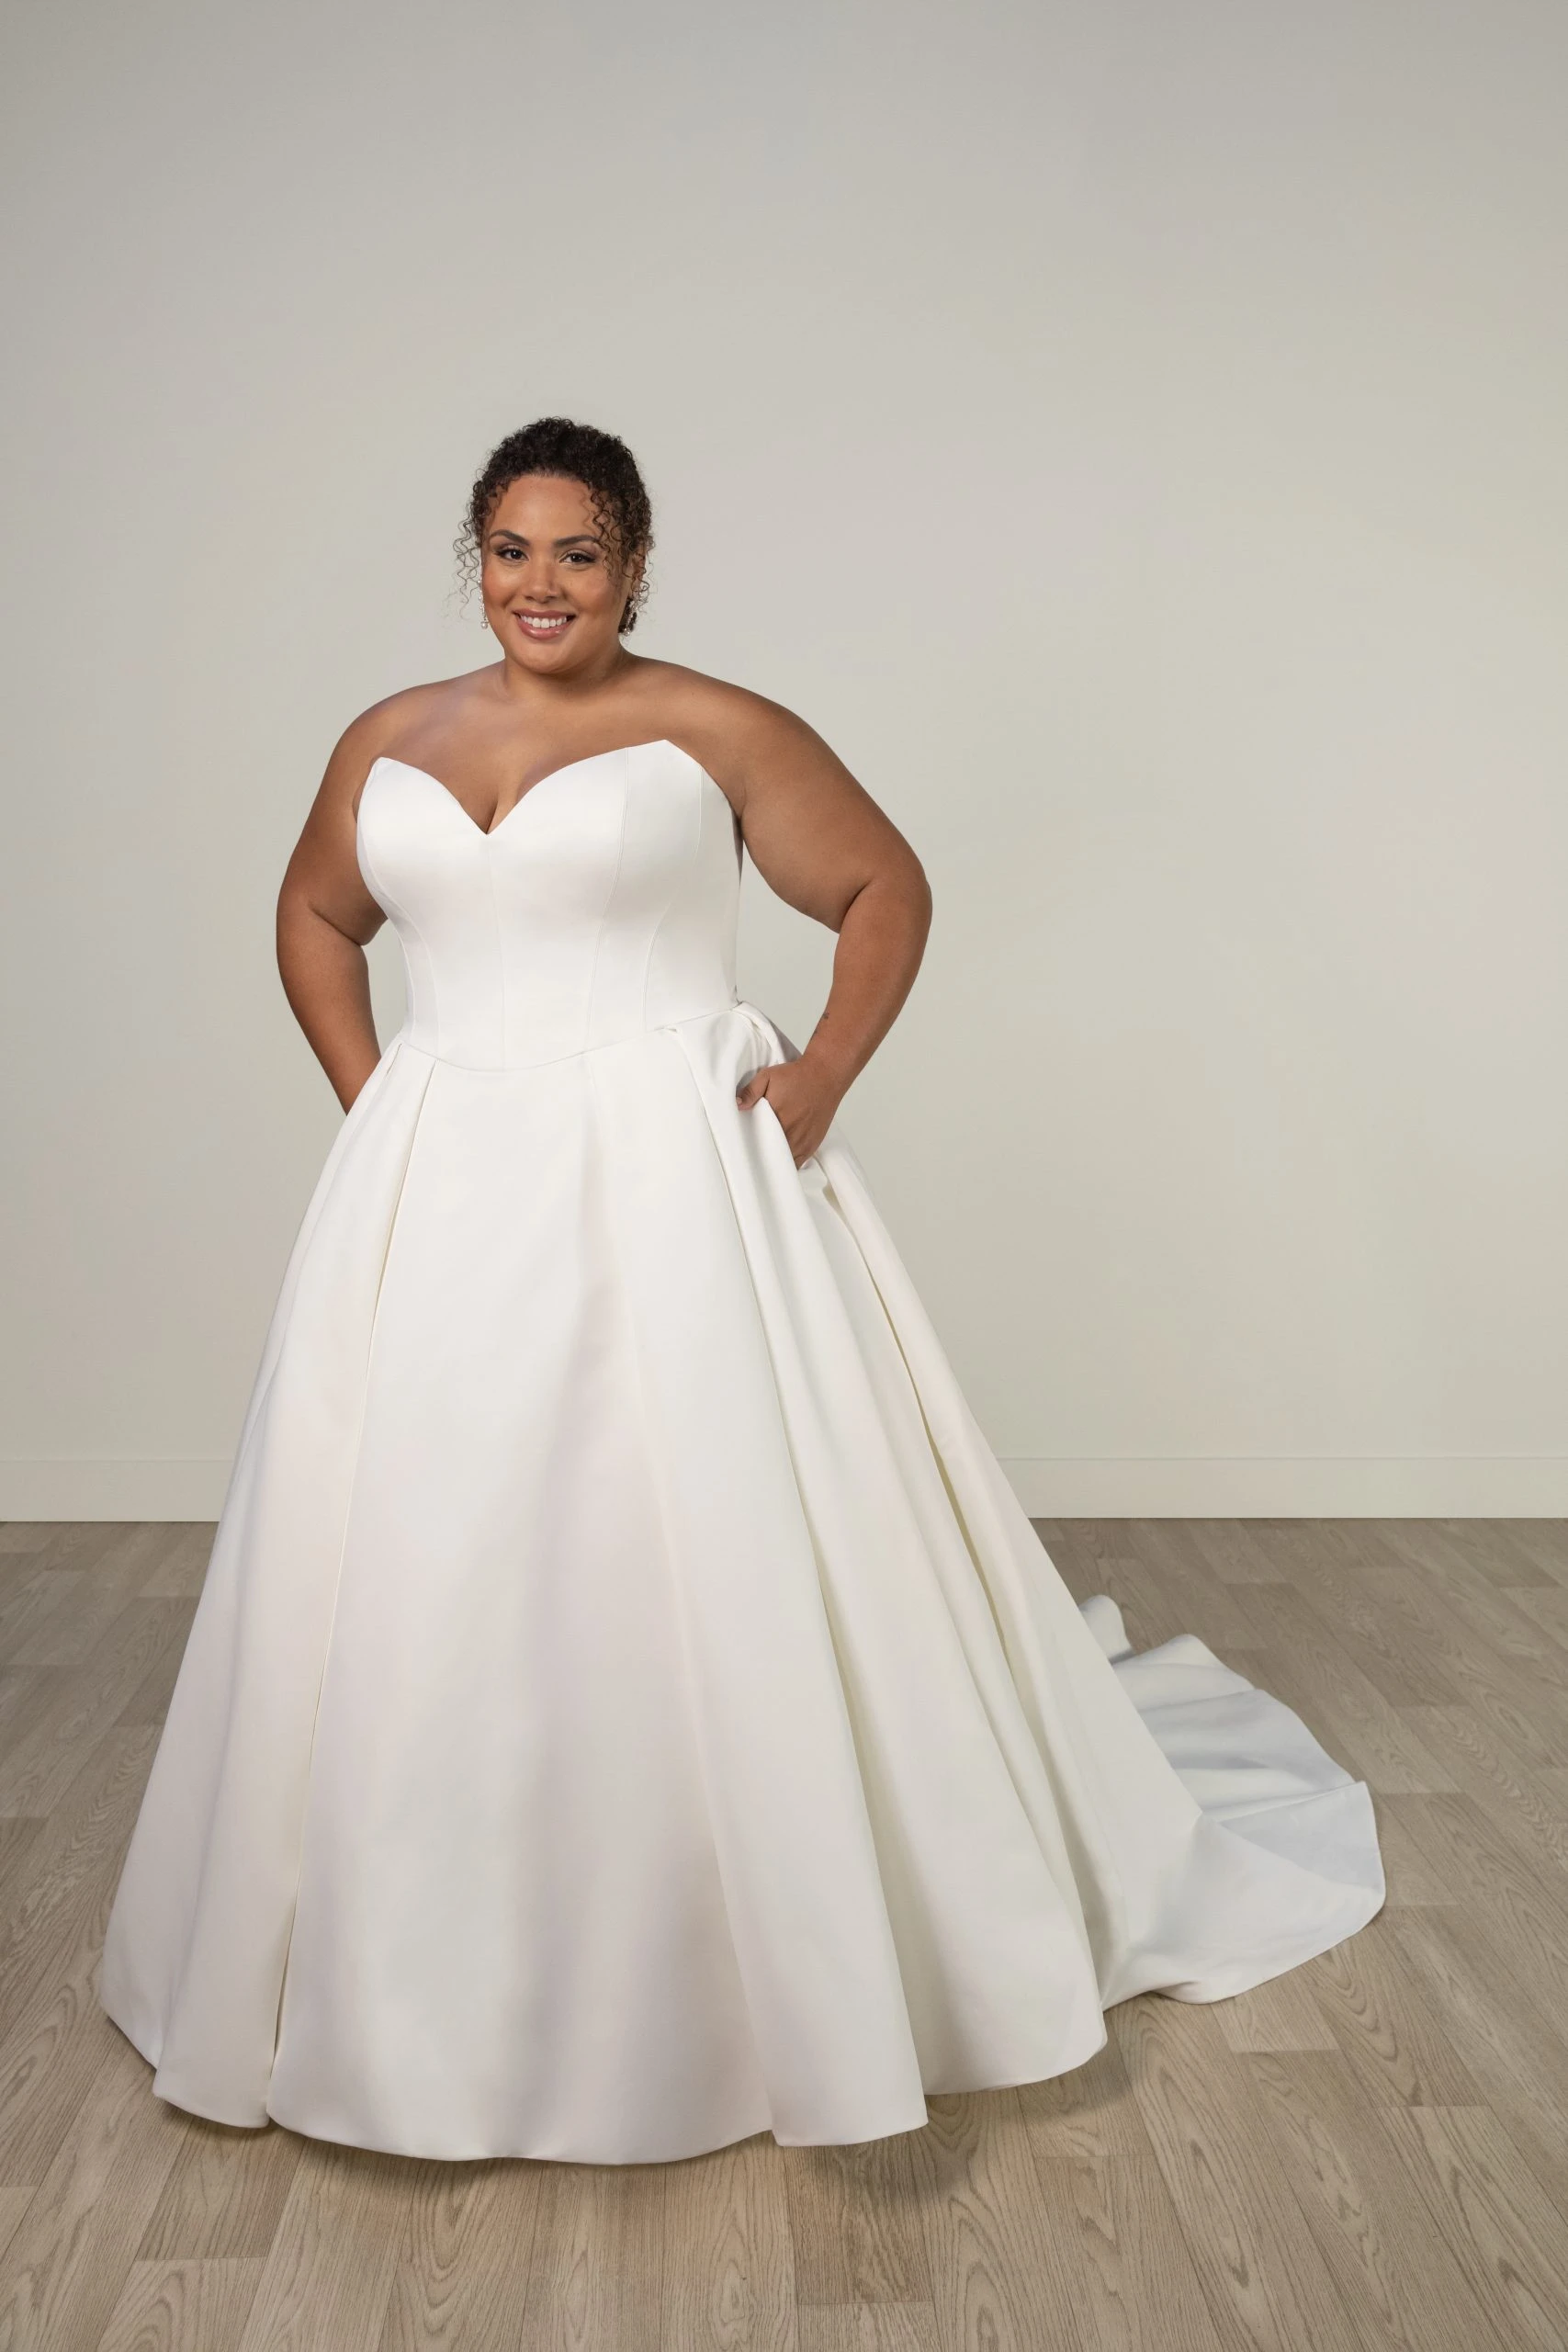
(627, 1708)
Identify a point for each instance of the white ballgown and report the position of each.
(628, 1708)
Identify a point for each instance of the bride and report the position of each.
(627, 1708)
(562, 558)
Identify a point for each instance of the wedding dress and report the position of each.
(627, 1708)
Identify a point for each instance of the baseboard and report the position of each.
(1294, 1486)
(1176, 1486)
(132, 1489)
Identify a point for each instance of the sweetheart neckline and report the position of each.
(656, 743)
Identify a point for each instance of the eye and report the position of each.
(505, 553)
(578, 555)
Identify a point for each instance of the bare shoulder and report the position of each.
(813, 832)
(386, 728)
(748, 743)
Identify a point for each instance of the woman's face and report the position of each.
(552, 593)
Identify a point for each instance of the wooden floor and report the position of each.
(1369, 2151)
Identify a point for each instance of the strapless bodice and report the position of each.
(604, 904)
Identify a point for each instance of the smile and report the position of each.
(544, 624)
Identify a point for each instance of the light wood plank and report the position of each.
(854, 2220)
(225, 2196)
(62, 2272)
(597, 2277)
(180, 1569)
(1496, 1686)
(14, 2203)
(327, 2280)
(1002, 2279)
(1522, 1908)
(1543, 1542)
(1264, 2276)
(1135, 2284)
(55, 2037)
(1506, 2234)
(463, 2270)
(1509, 2047)
(1085, 2115)
(1217, 1611)
(35, 1774)
(1283, 2014)
(71, 1637)
(1233, 1551)
(1519, 1797)
(730, 2281)
(1472, 1552)
(1336, 1577)
(1388, 2260)
(1410, 1877)
(867, 2327)
(181, 2307)
(1341, 1706)
(1385, 2020)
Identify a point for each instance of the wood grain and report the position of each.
(1366, 2151)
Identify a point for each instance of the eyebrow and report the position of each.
(577, 539)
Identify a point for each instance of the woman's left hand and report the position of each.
(803, 1096)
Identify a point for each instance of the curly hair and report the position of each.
(580, 453)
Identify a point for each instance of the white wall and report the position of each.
(1134, 435)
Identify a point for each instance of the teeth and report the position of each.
(544, 620)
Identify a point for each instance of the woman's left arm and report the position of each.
(818, 839)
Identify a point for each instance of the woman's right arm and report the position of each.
(325, 915)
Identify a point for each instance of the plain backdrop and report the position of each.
(1134, 435)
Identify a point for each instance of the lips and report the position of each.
(543, 628)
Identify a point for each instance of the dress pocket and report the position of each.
(767, 1044)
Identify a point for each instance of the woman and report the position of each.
(627, 1708)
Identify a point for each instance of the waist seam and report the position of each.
(404, 1037)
